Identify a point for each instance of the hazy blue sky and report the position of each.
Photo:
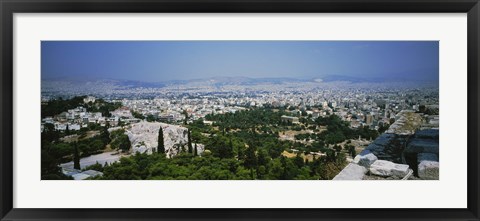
(182, 60)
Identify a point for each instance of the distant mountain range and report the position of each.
(220, 81)
(238, 80)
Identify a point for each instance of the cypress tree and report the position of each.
(76, 157)
(251, 160)
(189, 142)
(230, 149)
(195, 153)
(161, 145)
(185, 121)
(183, 150)
(299, 160)
(240, 153)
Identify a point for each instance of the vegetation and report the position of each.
(56, 152)
(241, 145)
(267, 119)
(120, 140)
(57, 106)
(161, 144)
(245, 148)
(76, 157)
(190, 148)
(426, 110)
(137, 115)
(187, 167)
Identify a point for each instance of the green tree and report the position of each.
(230, 148)
(299, 161)
(49, 133)
(151, 118)
(189, 142)
(185, 113)
(351, 150)
(224, 151)
(161, 144)
(67, 130)
(263, 159)
(290, 171)
(276, 169)
(105, 136)
(251, 159)
(241, 153)
(120, 122)
(124, 143)
(137, 115)
(195, 151)
(76, 157)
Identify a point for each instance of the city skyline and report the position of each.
(160, 61)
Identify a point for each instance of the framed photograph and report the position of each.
(254, 110)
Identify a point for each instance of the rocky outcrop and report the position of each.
(144, 138)
(87, 174)
(406, 123)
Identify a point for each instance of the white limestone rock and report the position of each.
(351, 172)
(93, 173)
(428, 166)
(386, 169)
(86, 174)
(365, 158)
(144, 138)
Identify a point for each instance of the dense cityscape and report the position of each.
(368, 104)
(302, 128)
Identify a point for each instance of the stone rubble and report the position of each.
(404, 151)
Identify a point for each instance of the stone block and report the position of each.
(418, 145)
(365, 158)
(351, 172)
(386, 169)
(432, 134)
(384, 139)
(428, 166)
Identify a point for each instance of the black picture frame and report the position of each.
(9, 7)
